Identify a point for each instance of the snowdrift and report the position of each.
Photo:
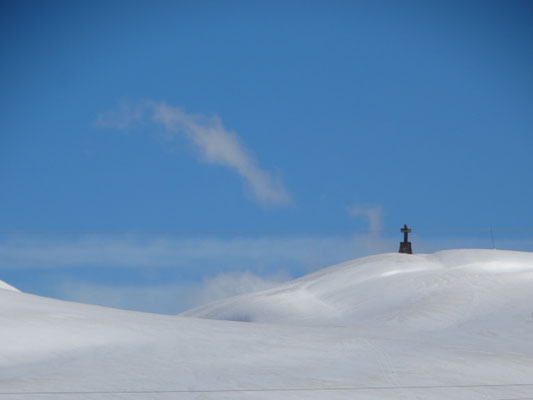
(455, 288)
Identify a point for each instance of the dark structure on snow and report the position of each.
(405, 246)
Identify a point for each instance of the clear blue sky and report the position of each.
(417, 112)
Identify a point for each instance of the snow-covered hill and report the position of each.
(451, 325)
(476, 288)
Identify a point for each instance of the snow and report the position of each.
(390, 326)
(446, 290)
(5, 286)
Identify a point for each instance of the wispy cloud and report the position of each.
(213, 142)
(167, 298)
(372, 214)
(231, 284)
(208, 255)
(373, 240)
(199, 254)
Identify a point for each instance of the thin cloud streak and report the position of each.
(305, 252)
(213, 142)
(168, 298)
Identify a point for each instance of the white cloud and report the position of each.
(214, 254)
(372, 240)
(214, 143)
(168, 298)
(373, 215)
(208, 253)
(231, 284)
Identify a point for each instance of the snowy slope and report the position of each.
(5, 286)
(458, 288)
(452, 325)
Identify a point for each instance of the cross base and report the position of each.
(405, 247)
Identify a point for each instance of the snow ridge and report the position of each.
(426, 291)
(6, 286)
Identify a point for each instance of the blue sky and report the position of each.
(254, 116)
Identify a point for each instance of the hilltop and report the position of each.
(426, 292)
(454, 324)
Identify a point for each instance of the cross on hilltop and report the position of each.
(405, 246)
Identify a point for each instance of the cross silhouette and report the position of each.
(405, 246)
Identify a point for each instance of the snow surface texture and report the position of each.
(451, 325)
